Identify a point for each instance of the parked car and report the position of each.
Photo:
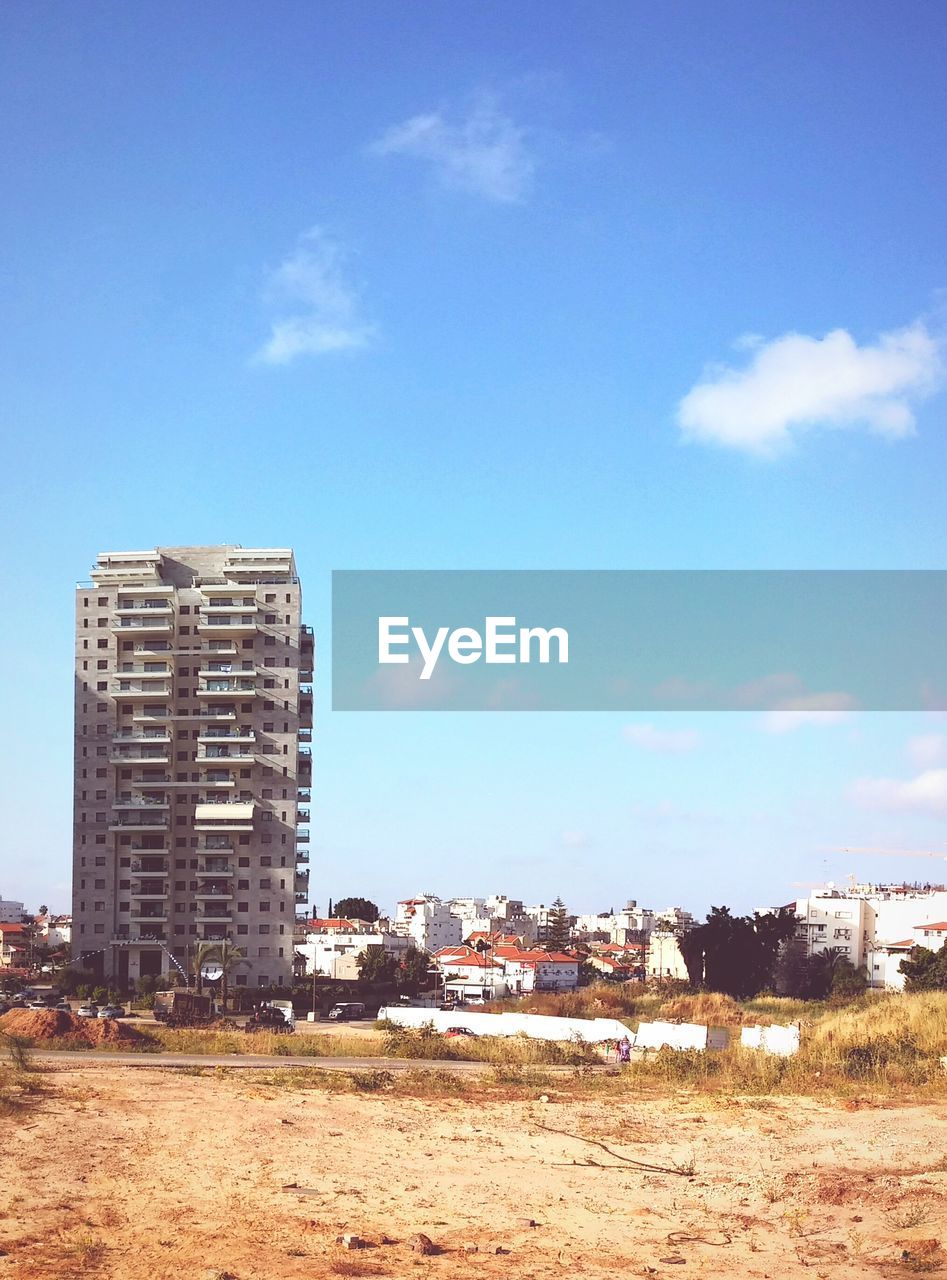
(87, 1011)
(458, 1031)
(37, 1004)
(64, 1005)
(111, 1011)
(347, 1012)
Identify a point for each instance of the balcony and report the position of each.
(302, 855)
(226, 735)
(150, 866)
(222, 843)
(305, 753)
(301, 897)
(231, 757)
(236, 623)
(302, 837)
(125, 938)
(149, 605)
(235, 687)
(148, 715)
(302, 815)
(305, 733)
(142, 822)
(155, 626)
(216, 911)
(143, 735)
(146, 891)
(152, 779)
(228, 816)
(154, 755)
(214, 867)
(127, 801)
(303, 795)
(149, 915)
(135, 691)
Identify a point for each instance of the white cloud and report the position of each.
(318, 308)
(796, 383)
(485, 153)
(927, 793)
(809, 709)
(927, 749)
(663, 741)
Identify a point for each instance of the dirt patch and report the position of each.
(129, 1174)
(43, 1025)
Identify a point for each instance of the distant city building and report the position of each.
(11, 912)
(193, 715)
(54, 931)
(428, 922)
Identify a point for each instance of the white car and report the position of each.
(87, 1011)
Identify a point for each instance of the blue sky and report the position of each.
(531, 286)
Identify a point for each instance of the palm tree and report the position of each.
(224, 953)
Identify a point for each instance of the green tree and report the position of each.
(736, 955)
(925, 970)
(356, 909)
(227, 955)
(558, 930)
(413, 972)
(375, 964)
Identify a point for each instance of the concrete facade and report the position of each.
(11, 912)
(193, 711)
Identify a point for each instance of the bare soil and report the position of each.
(151, 1174)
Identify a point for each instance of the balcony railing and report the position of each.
(302, 855)
(150, 866)
(218, 842)
(215, 867)
(142, 735)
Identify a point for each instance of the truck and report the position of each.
(184, 1009)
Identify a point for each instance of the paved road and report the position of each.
(249, 1061)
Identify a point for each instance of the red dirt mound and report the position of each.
(40, 1025)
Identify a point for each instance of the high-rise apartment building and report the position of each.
(192, 764)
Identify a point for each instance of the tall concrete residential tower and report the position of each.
(192, 763)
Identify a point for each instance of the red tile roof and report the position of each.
(940, 927)
(12, 928)
(334, 922)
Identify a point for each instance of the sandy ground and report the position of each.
(154, 1175)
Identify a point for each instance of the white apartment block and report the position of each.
(11, 912)
(193, 715)
(494, 914)
(428, 922)
(831, 920)
(628, 925)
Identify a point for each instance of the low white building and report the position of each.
(332, 947)
(663, 957)
(54, 931)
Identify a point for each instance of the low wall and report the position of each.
(783, 1041)
(535, 1025)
